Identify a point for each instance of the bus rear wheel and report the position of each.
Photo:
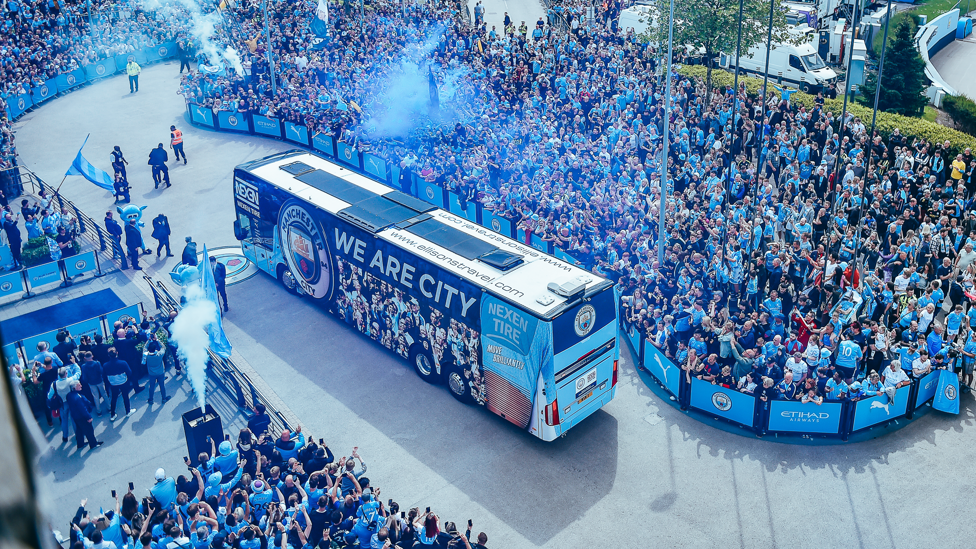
(288, 280)
(457, 384)
(423, 363)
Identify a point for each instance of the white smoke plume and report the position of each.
(203, 28)
(190, 334)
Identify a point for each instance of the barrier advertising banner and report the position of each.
(266, 126)
(17, 104)
(927, 387)
(564, 256)
(874, 410)
(539, 244)
(201, 115)
(101, 69)
(166, 50)
(70, 80)
(90, 327)
(454, 205)
(45, 273)
(124, 315)
(10, 354)
(45, 91)
(947, 394)
(664, 370)
(11, 283)
(717, 400)
(324, 143)
(30, 344)
(233, 121)
(122, 59)
(497, 223)
(296, 133)
(797, 417)
(348, 155)
(79, 264)
(636, 339)
(376, 166)
(431, 193)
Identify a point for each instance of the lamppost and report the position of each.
(765, 98)
(664, 156)
(267, 36)
(735, 110)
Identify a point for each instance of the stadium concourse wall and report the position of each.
(67, 82)
(368, 164)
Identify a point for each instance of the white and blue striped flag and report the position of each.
(81, 166)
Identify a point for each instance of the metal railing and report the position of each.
(104, 243)
(224, 374)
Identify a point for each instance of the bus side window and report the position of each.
(796, 64)
(242, 228)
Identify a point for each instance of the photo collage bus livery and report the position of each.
(502, 324)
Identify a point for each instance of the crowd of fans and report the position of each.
(264, 491)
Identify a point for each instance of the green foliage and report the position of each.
(903, 82)
(35, 252)
(887, 122)
(962, 110)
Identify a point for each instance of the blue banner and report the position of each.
(717, 400)
(947, 394)
(80, 264)
(793, 416)
(296, 133)
(324, 143)
(232, 121)
(395, 177)
(636, 339)
(664, 370)
(454, 205)
(539, 244)
(497, 223)
(101, 69)
(430, 192)
(376, 166)
(71, 79)
(45, 273)
(266, 126)
(122, 59)
(45, 91)
(124, 315)
(166, 50)
(17, 104)
(90, 327)
(927, 387)
(873, 410)
(11, 283)
(10, 354)
(151, 54)
(30, 344)
(348, 155)
(563, 255)
(201, 115)
(218, 341)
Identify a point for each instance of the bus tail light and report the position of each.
(552, 414)
(614, 383)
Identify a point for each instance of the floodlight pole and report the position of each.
(267, 36)
(664, 155)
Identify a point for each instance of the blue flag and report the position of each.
(83, 167)
(947, 395)
(218, 340)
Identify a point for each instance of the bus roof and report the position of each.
(498, 264)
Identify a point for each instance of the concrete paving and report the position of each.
(636, 471)
(955, 64)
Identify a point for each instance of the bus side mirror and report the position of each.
(240, 233)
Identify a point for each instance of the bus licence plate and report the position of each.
(585, 383)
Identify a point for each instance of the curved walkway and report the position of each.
(955, 64)
(637, 470)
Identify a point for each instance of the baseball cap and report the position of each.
(160, 474)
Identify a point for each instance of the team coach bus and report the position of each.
(501, 324)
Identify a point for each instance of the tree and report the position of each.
(710, 27)
(903, 82)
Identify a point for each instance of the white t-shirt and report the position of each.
(812, 355)
(798, 367)
(924, 319)
(892, 378)
(901, 283)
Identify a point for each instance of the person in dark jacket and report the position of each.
(158, 159)
(115, 230)
(117, 374)
(81, 409)
(220, 280)
(13, 236)
(133, 241)
(259, 423)
(161, 232)
(190, 252)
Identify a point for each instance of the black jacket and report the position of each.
(161, 230)
(158, 157)
(133, 238)
(13, 232)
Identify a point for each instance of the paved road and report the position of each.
(955, 64)
(636, 470)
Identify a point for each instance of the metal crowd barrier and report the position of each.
(222, 371)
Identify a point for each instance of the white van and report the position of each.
(636, 17)
(797, 66)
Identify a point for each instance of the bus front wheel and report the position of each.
(423, 363)
(288, 280)
(457, 384)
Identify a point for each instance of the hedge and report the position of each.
(887, 122)
(962, 110)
